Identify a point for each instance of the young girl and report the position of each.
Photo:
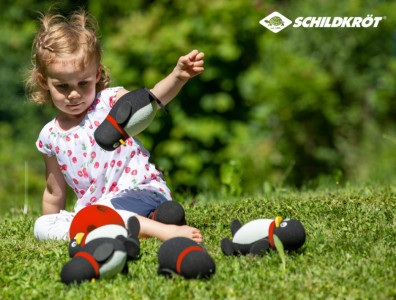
(68, 73)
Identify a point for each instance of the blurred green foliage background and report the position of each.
(303, 107)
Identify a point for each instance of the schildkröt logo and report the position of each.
(276, 22)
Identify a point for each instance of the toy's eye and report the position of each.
(74, 244)
(283, 224)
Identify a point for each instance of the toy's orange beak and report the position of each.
(79, 237)
(278, 219)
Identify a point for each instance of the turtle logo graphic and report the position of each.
(275, 22)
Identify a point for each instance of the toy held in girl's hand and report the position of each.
(92, 217)
(129, 116)
(101, 253)
(182, 256)
(257, 236)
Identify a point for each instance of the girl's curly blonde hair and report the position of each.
(57, 37)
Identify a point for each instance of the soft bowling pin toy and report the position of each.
(183, 256)
(129, 116)
(257, 236)
(101, 253)
(169, 212)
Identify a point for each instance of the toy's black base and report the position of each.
(170, 212)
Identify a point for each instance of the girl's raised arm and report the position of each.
(187, 67)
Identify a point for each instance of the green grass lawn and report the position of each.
(349, 253)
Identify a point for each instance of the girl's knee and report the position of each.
(51, 227)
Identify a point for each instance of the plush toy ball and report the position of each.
(92, 217)
(183, 256)
(169, 212)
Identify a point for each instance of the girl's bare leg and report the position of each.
(151, 228)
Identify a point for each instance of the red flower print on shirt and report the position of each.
(85, 154)
(118, 150)
(76, 136)
(112, 163)
(93, 155)
(97, 123)
(134, 172)
(96, 165)
(113, 187)
(50, 146)
(111, 103)
(69, 152)
(133, 153)
(119, 163)
(64, 167)
(75, 180)
(103, 190)
(67, 139)
(74, 159)
(85, 173)
(57, 150)
(40, 144)
(92, 140)
(147, 167)
(92, 200)
(105, 166)
(127, 169)
(130, 142)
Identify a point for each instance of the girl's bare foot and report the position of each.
(186, 231)
(151, 228)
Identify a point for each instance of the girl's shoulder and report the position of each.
(43, 142)
(107, 97)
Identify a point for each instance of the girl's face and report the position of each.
(72, 88)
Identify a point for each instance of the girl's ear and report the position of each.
(99, 73)
(42, 81)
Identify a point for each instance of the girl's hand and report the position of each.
(189, 65)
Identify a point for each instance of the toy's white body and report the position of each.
(106, 231)
(141, 119)
(253, 231)
(113, 265)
